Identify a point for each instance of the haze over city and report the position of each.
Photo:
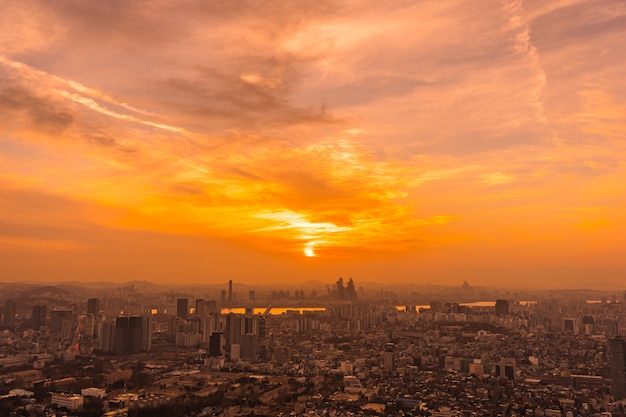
(409, 142)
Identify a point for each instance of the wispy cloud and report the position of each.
(351, 131)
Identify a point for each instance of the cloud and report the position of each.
(356, 128)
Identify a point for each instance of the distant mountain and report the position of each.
(47, 289)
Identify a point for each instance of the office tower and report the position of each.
(89, 325)
(57, 317)
(93, 306)
(39, 316)
(182, 308)
(249, 346)
(230, 290)
(201, 308)
(121, 335)
(350, 291)
(107, 337)
(502, 307)
(340, 289)
(212, 307)
(617, 359)
(234, 329)
(216, 343)
(389, 357)
(135, 334)
(146, 337)
(10, 308)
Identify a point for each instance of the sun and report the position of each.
(308, 251)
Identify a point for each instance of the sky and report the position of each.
(426, 142)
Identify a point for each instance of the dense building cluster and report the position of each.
(128, 352)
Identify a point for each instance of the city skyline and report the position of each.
(426, 143)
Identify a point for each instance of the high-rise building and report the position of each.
(502, 307)
(216, 343)
(234, 329)
(201, 308)
(39, 316)
(249, 346)
(135, 334)
(10, 308)
(89, 325)
(617, 359)
(93, 306)
(389, 357)
(340, 289)
(182, 308)
(230, 290)
(121, 335)
(107, 337)
(350, 291)
(146, 337)
(58, 316)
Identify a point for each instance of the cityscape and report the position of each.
(317, 208)
(141, 349)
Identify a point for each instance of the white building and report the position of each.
(93, 392)
(72, 402)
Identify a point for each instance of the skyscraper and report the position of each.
(93, 306)
(502, 307)
(182, 308)
(121, 335)
(230, 290)
(617, 358)
(389, 357)
(10, 309)
(39, 316)
(57, 317)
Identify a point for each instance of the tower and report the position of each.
(93, 306)
(10, 309)
(182, 308)
(502, 307)
(39, 316)
(121, 334)
(617, 358)
(389, 357)
(230, 290)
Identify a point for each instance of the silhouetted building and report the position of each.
(617, 358)
(249, 346)
(8, 318)
(350, 292)
(107, 337)
(230, 290)
(93, 306)
(340, 289)
(133, 334)
(121, 335)
(502, 307)
(58, 317)
(201, 308)
(182, 308)
(234, 329)
(216, 342)
(39, 316)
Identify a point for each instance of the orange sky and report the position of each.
(428, 141)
